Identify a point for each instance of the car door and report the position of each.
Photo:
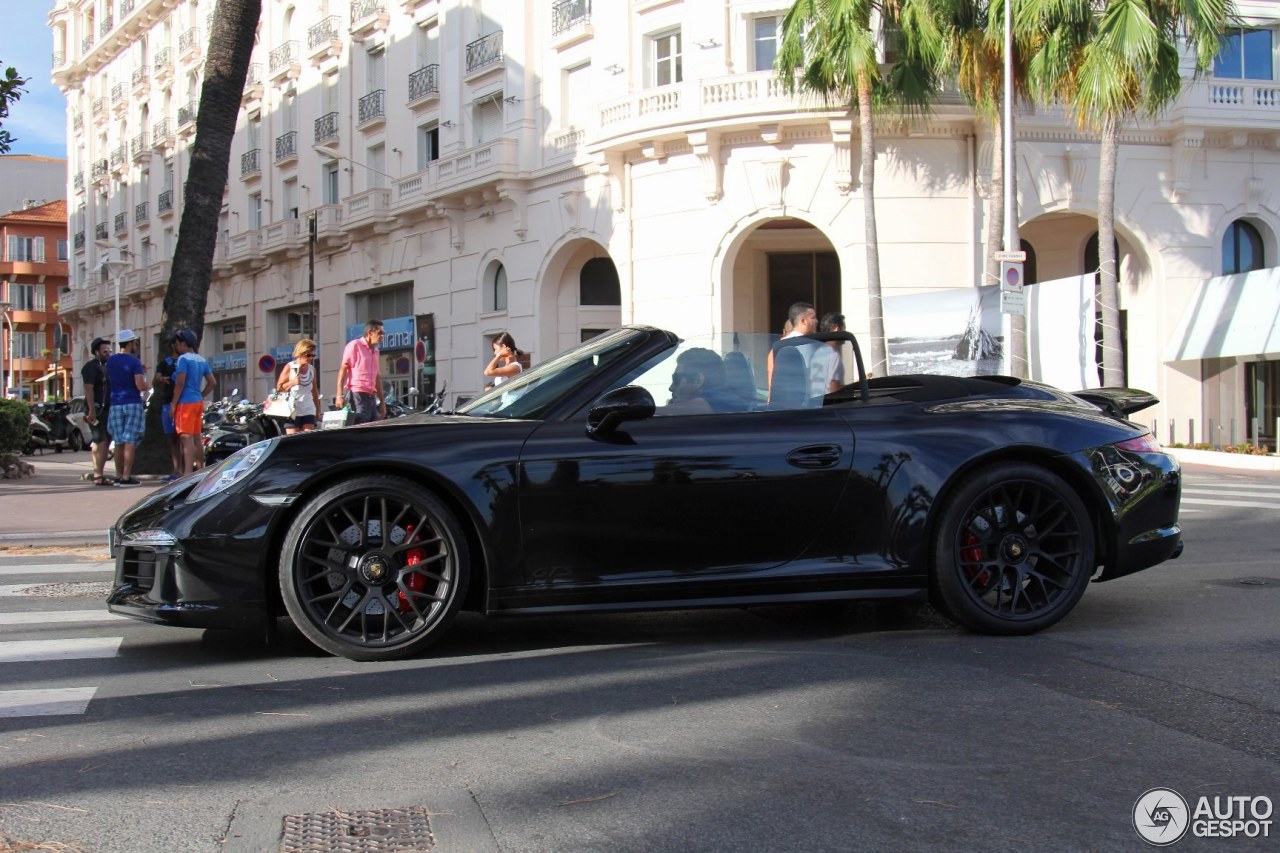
(672, 499)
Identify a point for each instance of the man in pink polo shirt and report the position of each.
(360, 374)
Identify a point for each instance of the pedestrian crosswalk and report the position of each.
(1201, 492)
(29, 580)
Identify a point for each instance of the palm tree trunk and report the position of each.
(875, 296)
(235, 25)
(1109, 290)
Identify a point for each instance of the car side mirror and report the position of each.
(628, 403)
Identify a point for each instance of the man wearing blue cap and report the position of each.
(126, 419)
(192, 381)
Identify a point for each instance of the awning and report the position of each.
(1229, 316)
(47, 377)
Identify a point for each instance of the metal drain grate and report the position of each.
(406, 830)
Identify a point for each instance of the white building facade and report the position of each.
(555, 169)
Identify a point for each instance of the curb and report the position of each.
(1219, 459)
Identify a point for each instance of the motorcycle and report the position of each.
(228, 427)
(51, 427)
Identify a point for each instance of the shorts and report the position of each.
(127, 423)
(166, 419)
(188, 418)
(301, 421)
(101, 434)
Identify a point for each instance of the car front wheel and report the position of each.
(1014, 550)
(374, 568)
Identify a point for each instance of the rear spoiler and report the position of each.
(1118, 402)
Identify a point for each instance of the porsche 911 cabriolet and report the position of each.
(641, 470)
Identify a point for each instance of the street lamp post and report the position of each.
(4, 309)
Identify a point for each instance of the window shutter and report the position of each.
(38, 250)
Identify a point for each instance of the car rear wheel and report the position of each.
(374, 568)
(1014, 550)
(76, 441)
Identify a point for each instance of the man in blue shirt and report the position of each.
(192, 380)
(126, 419)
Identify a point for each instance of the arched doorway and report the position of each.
(774, 264)
(580, 297)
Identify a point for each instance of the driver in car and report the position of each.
(697, 386)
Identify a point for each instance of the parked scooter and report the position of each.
(51, 428)
(228, 427)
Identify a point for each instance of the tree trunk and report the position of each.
(995, 208)
(1108, 288)
(235, 24)
(875, 296)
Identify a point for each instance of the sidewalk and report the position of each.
(58, 506)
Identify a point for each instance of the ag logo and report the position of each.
(1161, 816)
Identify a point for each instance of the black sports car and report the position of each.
(570, 487)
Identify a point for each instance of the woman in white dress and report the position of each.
(298, 380)
(506, 360)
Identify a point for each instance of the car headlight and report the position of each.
(233, 469)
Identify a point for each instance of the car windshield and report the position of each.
(530, 393)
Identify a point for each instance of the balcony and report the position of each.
(141, 212)
(77, 241)
(252, 84)
(99, 111)
(187, 118)
(251, 164)
(462, 174)
(279, 237)
(369, 209)
(162, 134)
(1234, 105)
(86, 44)
(119, 156)
(285, 62)
(77, 181)
(121, 223)
(163, 65)
(326, 128)
(190, 48)
(324, 40)
(424, 86)
(77, 122)
(286, 148)
(367, 18)
(164, 203)
(242, 249)
(100, 172)
(329, 233)
(100, 231)
(139, 150)
(570, 22)
(484, 53)
(119, 98)
(59, 59)
(141, 81)
(126, 8)
(105, 27)
(371, 110)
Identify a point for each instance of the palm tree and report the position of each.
(1111, 61)
(235, 24)
(833, 44)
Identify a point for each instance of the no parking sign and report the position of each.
(266, 364)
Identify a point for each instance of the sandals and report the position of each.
(128, 481)
(103, 480)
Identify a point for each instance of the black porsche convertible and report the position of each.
(643, 470)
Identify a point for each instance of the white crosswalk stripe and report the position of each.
(52, 701)
(1207, 492)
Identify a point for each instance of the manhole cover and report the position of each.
(1253, 582)
(406, 830)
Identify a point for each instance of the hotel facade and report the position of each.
(460, 168)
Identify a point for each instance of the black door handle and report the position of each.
(815, 456)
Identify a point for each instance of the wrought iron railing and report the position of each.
(187, 113)
(142, 211)
(284, 55)
(371, 106)
(160, 130)
(118, 156)
(251, 162)
(164, 59)
(77, 122)
(126, 7)
(361, 9)
(424, 81)
(117, 93)
(189, 40)
(86, 43)
(287, 145)
(78, 240)
(254, 77)
(107, 23)
(77, 181)
(99, 107)
(122, 223)
(138, 145)
(485, 50)
(326, 30)
(140, 75)
(164, 202)
(566, 14)
(100, 168)
(100, 231)
(59, 58)
(326, 127)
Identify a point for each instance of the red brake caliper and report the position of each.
(414, 580)
(971, 552)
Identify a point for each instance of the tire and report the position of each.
(360, 595)
(76, 441)
(1014, 550)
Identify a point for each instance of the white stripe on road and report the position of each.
(1252, 491)
(49, 617)
(45, 703)
(57, 569)
(14, 651)
(1212, 502)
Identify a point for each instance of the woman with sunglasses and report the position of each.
(298, 380)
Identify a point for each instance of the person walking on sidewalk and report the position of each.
(193, 380)
(359, 371)
(126, 419)
(97, 396)
(162, 385)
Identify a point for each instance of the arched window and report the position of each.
(598, 283)
(495, 288)
(1241, 248)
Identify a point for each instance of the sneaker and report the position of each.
(127, 482)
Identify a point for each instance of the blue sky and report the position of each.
(39, 121)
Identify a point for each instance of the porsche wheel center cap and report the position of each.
(375, 568)
(1015, 549)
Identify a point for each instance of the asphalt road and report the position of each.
(773, 729)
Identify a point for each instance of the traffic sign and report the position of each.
(266, 364)
(1011, 276)
(1019, 256)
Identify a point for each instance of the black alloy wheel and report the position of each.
(1014, 550)
(76, 441)
(374, 568)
